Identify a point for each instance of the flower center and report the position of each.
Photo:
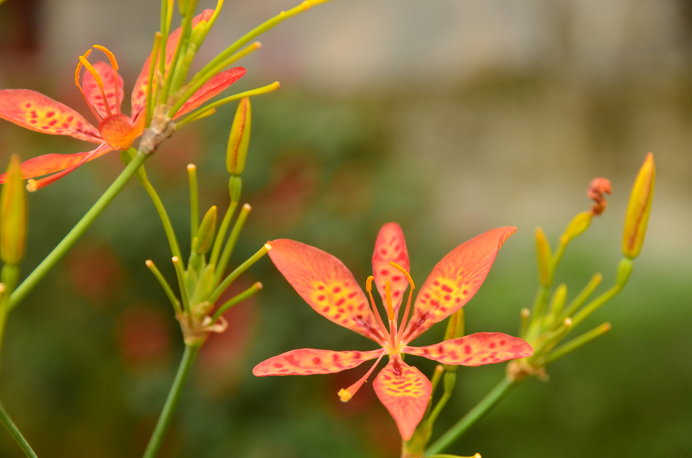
(119, 132)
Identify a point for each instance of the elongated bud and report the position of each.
(13, 218)
(455, 325)
(239, 138)
(577, 226)
(638, 209)
(205, 234)
(543, 257)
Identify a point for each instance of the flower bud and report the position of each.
(239, 138)
(543, 256)
(13, 219)
(577, 226)
(205, 234)
(638, 209)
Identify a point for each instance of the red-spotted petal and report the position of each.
(112, 87)
(38, 112)
(90, 156)
(308, 361)
(475, 349)
(326, 285)
(139, 91)
(390, 246)
(211, 88)
(405, 392)
(51, 163)
(455, 280)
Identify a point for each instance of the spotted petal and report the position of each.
(390, 246)
(475, 349)
(405, 392)
(139, 91)
(211, 89)
(308, 361)
(326, 285)
(455, 280)
(51, 163)
(35, 111)
(112, 87)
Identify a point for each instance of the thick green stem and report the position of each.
(189, 357)
(475, 414)
(77, 231)
(15, 433)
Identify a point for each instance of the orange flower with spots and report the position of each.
(331, 290)
(102, 89)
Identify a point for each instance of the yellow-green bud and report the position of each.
(638, 209)
(239, 138)
(13, 219)
(577, 226)
(205, 233)
(543, 257)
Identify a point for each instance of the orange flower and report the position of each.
(331, 290)
(102, 89)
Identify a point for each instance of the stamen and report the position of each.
(373, 306)
(114, 65)
(388, 300)
(99, 82)
(346, 394)
(409, 300)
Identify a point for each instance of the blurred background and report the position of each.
(450, 117)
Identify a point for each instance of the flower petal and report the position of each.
(73, 161)
(35, 111)
(390, 246)
(326, 285)
(308, 361)
(405, 392)
(211, 89)
(112, 87)
(139, 91)
(475, 349)
(455, 280)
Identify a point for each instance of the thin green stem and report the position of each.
(163, 214)
(194, 199)
(475, 414)
(77, 231)
(251, 291)
(15, 433)
(230, 243)
(221, 234)
(236, 273)
(164, 284)
(169, 407)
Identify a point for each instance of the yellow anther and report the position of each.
(109, 55)
(344, 395)
(405, 272)
(388, 300)
(368, 284)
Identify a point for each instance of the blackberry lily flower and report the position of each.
(331, 290)
(102, 89)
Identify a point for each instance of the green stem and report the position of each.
(475, 414)
(169, 407)
(15, 433)
(77, 231)
(163, 215)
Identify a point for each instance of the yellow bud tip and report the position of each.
(257, 45)
(191, 167)
(606, 327)
(247, 207)
(267, 246)
(175, 259)
(258, 285)
(149, 263)
(31, 185)
(525, 313)
(567, 322)
(344, 395)
(2, 288)
(477, 455)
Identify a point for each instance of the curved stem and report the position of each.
(475, 414)
(169, 407)
(15, 433)
(163, 215)
(77, 231)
